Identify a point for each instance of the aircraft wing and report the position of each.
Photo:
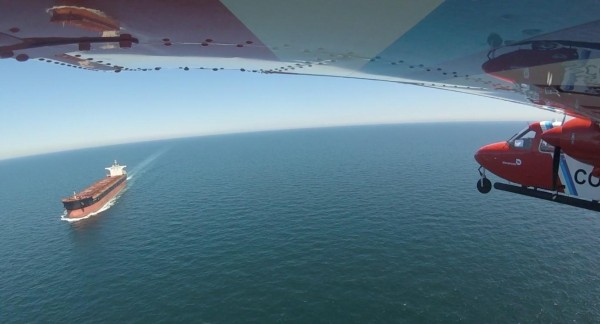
(541, 53)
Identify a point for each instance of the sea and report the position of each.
(364, 224)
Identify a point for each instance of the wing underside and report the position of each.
(544, 54)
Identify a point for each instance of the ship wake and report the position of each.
(142, 167)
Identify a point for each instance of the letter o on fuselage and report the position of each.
(596, 184)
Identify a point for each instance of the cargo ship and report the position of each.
(94, 197)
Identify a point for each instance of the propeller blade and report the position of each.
(555, 166)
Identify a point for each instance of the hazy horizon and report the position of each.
(191, 136)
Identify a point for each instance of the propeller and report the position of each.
(556, 161)
(553, 137)
(555, 166)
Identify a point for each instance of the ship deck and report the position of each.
(95, 189)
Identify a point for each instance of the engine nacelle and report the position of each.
(579, 138)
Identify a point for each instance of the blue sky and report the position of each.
(48, 108)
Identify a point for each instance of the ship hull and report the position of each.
(87, 210)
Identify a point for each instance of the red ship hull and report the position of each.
(94, 197)
(87, 210)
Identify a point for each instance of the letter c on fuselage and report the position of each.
(577, 173)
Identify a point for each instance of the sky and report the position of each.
(47, 108)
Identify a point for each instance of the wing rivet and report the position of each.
(22, 57)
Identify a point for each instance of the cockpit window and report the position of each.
(517, 135)
(523, 139)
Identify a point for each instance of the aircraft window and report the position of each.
(523, 140)
(545, 147)
(518, 135)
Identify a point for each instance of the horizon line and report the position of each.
(248, 131)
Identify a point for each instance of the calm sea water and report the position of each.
(355, 224)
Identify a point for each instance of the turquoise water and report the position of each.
(354, 224)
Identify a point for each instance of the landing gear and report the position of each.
(484, 185)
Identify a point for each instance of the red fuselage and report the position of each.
(526, 160)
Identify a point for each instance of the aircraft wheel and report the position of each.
(484, 185)
(494, 40)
